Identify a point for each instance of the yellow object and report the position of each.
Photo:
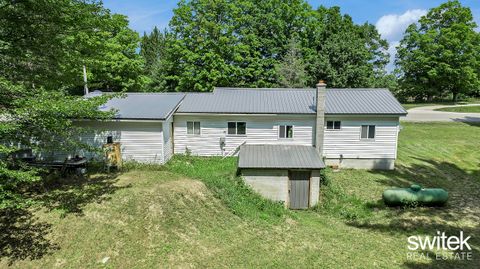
(113, 156)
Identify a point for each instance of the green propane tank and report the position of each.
(415, 195)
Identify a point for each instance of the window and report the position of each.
(334, 125)
(285, 131)
(193, 127)
(237, 128)
(368, 132)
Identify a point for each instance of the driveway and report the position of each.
(428, 113)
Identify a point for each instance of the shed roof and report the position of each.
(153, 106)
(279, 156)
(291, 101)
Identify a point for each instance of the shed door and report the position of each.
(299, 189)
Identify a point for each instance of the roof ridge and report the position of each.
(262, 89)
(155, 93)
(357, 89)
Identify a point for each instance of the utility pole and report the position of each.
(85, 87)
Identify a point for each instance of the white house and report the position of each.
(351, 128)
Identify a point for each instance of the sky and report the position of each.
(391, 17)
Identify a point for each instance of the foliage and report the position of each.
(217, 175)
(343, 53)
(441, 54)
(291, 69)
(43, 46)
(41, 120)
(46, 43)
(152, 47)
(335, 201)
(242, 43)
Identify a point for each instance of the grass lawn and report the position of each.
(441, 103)
(461, 109)
(194, 212)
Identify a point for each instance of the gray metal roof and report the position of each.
(155, 106)
(279, 156)
(291, 101)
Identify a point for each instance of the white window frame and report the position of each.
(193, 128)
(333, 122)
(368, 132)
(236, 128)
(286, 125)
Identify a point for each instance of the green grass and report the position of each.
(441, 103)
(194, 212)
(461, 109)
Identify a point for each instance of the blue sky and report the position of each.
(390, 16)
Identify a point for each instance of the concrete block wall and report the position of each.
(270, 183)
(273, 184)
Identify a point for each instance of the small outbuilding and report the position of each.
(287, 173)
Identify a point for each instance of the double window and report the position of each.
(334, 125)
(237, 128)
(285, 131)
(368, 132)
(193, 127)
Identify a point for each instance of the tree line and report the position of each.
(271, 43)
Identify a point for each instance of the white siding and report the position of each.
(264, 130)
(260, 130)
(140, 141)
(347, 141)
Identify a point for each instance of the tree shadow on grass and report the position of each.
(472, 121)
(463, 207)
(70, 195)
(23, 236)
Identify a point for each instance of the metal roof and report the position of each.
(291, 101)
(154, 106)
(279, 156)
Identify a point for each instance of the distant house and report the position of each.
(283, 137)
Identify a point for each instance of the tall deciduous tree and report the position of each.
(46, 43)
(43, 45)
(441, 54)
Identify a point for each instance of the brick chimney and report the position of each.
(320, 119)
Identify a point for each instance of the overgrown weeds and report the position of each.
(219, 175)
(335, 201)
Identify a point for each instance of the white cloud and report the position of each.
(392, 26)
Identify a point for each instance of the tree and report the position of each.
(152, 47)
(46, 43)
(441, 54)
(41, 120)
(40, 53)
(243, 42)
(343, 53)
(291, 70)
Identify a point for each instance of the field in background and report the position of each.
(194, 212)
